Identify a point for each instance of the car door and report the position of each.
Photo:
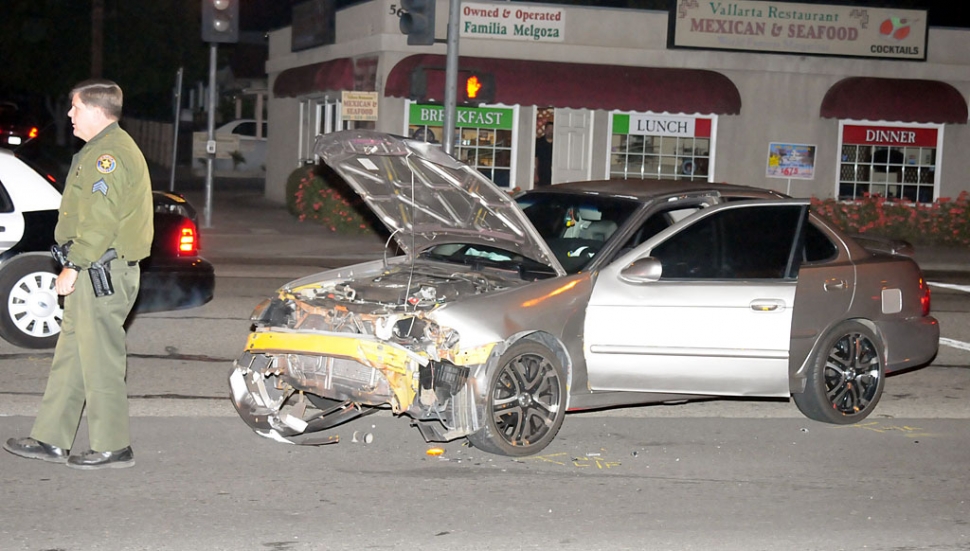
(11, 222)
(826, 290)
(703, 307)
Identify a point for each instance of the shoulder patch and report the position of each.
(106, 164)
(101, 186)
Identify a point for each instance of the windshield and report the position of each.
(576, 226)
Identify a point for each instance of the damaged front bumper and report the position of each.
(292, 386)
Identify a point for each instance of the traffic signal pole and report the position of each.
(210, 144)
(220, 23)
(451, 76)
(418, 23)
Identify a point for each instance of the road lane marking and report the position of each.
(964, 288)
(955, 343)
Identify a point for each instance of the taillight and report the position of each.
(188, 242)
(924, 298)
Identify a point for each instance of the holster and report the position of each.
(100, 273)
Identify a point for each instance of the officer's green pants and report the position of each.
(89, 366)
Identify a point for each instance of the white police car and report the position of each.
(173, 277)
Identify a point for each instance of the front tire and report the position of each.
(525, 402)
(30, 313)
(846, 378)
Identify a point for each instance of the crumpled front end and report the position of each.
(324, 353)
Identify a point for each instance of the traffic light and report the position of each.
(220, 20)
(418, 21)
(480, 88)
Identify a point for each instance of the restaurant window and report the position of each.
(648, 146)
(894, 162)
(483, 137)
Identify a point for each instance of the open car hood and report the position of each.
(425, 197)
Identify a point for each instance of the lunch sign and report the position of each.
(804, 29)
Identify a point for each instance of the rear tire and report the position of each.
(846, 377)
(525, 402)
(30, 312)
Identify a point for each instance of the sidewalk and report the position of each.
(247, 228)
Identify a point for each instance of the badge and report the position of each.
(101, 186)
(106, 164)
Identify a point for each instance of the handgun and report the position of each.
(100, 274)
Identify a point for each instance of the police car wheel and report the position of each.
(30, 313)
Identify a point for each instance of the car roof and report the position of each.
(645, 190)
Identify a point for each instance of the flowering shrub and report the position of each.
(944, 222)
(317, 194)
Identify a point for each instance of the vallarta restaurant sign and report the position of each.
(508, 21)
(803, 29)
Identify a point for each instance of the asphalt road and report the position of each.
(726, 474)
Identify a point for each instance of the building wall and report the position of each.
(781, 94)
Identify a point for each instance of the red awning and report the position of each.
(580, 85)
(336, 74)
(893, 99)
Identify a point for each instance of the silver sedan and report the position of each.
(501, 314)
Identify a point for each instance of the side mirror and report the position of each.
(642, 270)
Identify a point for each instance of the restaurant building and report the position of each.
(811, 100)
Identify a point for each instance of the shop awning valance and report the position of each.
(336, 74)
(893, 99)
(579, 85)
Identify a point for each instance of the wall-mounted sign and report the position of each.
(358, 106)
(804, 29)
(791, 161)
(508, 21)
(901, 136)
(466, 117)
(646, 124)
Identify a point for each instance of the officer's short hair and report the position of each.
(101, 93)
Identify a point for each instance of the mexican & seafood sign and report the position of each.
(804, 29)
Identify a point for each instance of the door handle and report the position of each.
(767, 305)
(834, 284)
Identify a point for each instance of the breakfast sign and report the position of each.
(803, 29)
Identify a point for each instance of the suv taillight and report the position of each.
(188, 239)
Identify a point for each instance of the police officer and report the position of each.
(107, 204)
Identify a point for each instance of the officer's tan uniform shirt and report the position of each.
(107, 200)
